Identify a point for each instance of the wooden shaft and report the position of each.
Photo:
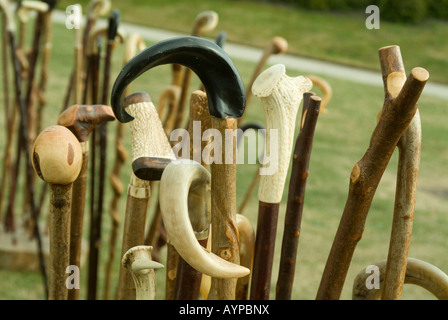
(134, 231)
(296, 197)
(60, 200)
(395, 118)
(264, 250)
(224, 230)
(77, 217)
(409, 147)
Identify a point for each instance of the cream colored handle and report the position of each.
(281, 96)
(183, 193)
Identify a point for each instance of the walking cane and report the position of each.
(134, 42)
(396, 115)
(296, 196)
(57, 159)
(281, 96)
(184, 200)
(24, 129)
(152, 151)
(226, 103)
(81, 120)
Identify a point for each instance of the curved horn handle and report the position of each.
(211, 63)
(280, 96)
(183, 191)
(418, 272)
(98, 8)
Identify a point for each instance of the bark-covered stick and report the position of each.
(296, 196)
(397, 114)
(57, 159)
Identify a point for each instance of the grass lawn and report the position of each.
(341, 138)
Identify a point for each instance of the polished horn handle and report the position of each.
(211, 64)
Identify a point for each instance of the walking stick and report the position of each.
(409, 147)
(418, 272)
(277, 45)
(140, 264)
(296, 196)
(150, 148)
(281, 96)
(24, 129)
(81, 120)
(184, 202)
(397, 113)
(188, 280)
(96, 223)
(226, 103)
(134, 42)
(57, 159)
(95, 9)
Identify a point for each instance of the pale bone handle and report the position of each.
(183, 192)
(281, 96)
(148, 136)
(139, 262)
(418, 272)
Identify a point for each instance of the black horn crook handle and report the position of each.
(211, 64)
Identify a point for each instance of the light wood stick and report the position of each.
(397, 113)
(57, 159)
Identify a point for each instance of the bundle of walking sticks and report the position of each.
(213, 251)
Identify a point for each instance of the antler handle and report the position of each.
(281, 96)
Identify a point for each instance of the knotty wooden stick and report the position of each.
(57, 159)
(396, 115)
(409, 147)
(296, 196)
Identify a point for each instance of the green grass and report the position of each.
(336, 37)
(341, 138)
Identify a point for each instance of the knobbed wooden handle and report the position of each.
(57, 155)
(281, 96)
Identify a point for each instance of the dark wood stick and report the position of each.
(296, 196)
